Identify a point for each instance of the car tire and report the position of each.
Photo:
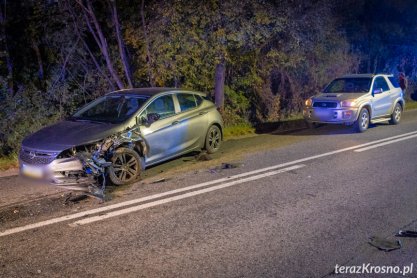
(312, 125)
(396, 114)
(126, 166)
(213, 139)
(362, 123)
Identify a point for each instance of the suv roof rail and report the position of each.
(383, 73)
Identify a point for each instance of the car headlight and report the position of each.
(308, 102)
(348, 103)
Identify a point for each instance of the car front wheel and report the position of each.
(362, 123)
(126, 166)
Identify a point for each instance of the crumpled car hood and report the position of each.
(66, 134)
(338, 96)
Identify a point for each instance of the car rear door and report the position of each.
(192, 120)
(381, 102)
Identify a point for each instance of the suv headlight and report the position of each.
(348, 103)
(308, 102)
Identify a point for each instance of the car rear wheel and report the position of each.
(362, 123)
(213, 139)
(126, 166)
(396, 114)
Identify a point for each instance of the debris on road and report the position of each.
(160, 180)
(225, 166)
(384, 244)
(406, 233)
(75, 199)
(203, 157)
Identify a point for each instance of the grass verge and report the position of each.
(238, 130)
(410, 105)
(8, 162)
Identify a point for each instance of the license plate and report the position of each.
(322, 114)
(31, 171)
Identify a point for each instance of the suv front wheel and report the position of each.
(362, 123)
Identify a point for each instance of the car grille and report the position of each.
(36, 158)
(325, 104)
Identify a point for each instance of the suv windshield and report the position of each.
(110, 109)
(349, 85)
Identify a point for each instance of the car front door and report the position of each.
(381, 100)
(159, 128)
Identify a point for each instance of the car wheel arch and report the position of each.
(219, 126)
(368, 107)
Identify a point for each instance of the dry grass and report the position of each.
(8, 162)
(411, 105)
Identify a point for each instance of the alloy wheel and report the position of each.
(125, 167)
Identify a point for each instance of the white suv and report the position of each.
(357, 99)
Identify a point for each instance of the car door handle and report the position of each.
(202, 113)
(175, 122)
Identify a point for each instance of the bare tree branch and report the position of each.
(120, 43)
(86, 47)
(102, 43)
(3, 38)
(147, 45)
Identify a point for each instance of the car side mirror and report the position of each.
(377, 91)
(148, 120)
(142, 120)
(152, 117)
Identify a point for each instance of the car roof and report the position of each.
(151, 91)
(365, 75)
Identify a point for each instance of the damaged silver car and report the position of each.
(120, 134)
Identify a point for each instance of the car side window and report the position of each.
(186, 101)
(199, 99)
(380, 83)
(394, 82)
(163, 106)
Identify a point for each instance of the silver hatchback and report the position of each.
(120, 134)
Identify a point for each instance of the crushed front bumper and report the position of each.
(330, 116)
(61, 171)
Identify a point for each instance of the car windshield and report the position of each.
(110, 109)
(349, 85)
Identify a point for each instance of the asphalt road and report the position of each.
(294, 211)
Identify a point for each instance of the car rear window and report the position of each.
(186, 101)
(394, 82)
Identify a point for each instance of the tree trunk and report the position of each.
(86, 47)
(37, 51)
(219, 85)
(147, 45)
(121, 44)
(3, 40)
(97, 34)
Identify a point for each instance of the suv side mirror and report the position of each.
(377, 91)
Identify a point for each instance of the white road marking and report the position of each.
(163, 194)
(180, 197)
(385, 143)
